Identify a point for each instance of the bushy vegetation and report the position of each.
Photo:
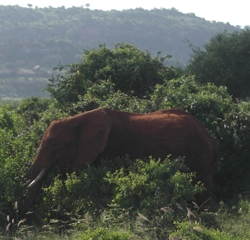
(224, 61)
(129, 185)
(121, 198)
(194, 231)
(132, 71)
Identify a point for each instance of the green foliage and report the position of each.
(6, 120)
(16, 154)
(104, 234)
(149, 186)
(232, 176)
(119, 193)
(139, 186)
(31, 108)
(185, 93)
(234, 218)
(194, 231)
(132, 71)
(104, 95)
(19, 140)
(86, 191)
(207, 103)
(224, 61)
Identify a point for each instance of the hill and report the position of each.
(33, 41)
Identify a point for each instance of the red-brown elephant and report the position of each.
(104, 133)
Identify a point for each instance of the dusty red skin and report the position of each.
(87, 137)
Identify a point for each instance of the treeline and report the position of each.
(35, 33)
(46, 36)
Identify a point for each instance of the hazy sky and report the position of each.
(234, 12)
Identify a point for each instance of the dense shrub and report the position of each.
(232, 177)
(6, 120)
(150, 186)
(206, 102)
(19, 142)
(132, 71)
(16, 154)
(104, 234)
(31, 108)
(224, 61)
(123, 183)
(191, 230)
(105, 95)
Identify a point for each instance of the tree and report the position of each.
(225, 60)
(132, 71)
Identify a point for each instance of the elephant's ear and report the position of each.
(93, 131)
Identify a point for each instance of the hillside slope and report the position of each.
(46, 36)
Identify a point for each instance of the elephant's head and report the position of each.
(74, 141)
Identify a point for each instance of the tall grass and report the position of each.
(228, 222)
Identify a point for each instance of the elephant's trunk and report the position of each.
(37, 179)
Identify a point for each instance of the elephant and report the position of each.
(105, 133)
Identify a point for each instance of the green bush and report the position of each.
(121, 192)
(235, 218)
(206, 102)
(224, 61)
(19, 142)
(31, 108)
(191, 230)
(132, 71)
(232, 177)
(6, 117)
(103, 234)
(16, 155)
(79, 193)
(104, 95)
(138, 186)
(149, 186)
